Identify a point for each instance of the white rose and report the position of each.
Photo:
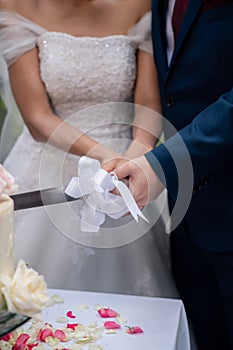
(25, 292)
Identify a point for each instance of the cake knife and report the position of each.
(10, 321)
(40, 198)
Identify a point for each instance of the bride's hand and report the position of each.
(110, 160)
(107, 157)
(135, 150)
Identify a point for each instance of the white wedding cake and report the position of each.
(6, 239)
(6, 227)
(22, 290)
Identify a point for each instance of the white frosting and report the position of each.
(6, 238)
(22, 291)
(7, 185)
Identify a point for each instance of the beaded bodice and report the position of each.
(86, 70)
(79, 72)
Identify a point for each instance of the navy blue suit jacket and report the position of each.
(197, 98)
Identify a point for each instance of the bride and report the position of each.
(75, 67)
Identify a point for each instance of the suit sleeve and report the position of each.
(208, 140)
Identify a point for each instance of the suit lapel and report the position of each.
(159, 32)
(159, 35)
(189, 17)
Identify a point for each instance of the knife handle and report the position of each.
(10, 321)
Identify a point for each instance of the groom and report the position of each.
(193, 52)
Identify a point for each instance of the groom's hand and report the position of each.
(143, 182)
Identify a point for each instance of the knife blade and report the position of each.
(10, 321)
(40, 198)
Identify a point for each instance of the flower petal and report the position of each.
(21, 342)
(44, 333)
(6, 337)
(106, 312)
(31, 346)
(72, 325)
(70, 314)
(134, 330)
(62, 319)
(111, 325)
(59, 334)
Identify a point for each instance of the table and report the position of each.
(163, 320)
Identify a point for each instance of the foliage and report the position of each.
(2, 113)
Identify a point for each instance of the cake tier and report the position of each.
(6, 238)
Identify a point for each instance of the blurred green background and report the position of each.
(2, 113)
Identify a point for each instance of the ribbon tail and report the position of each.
(129, 200)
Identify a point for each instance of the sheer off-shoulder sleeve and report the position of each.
(13, 122)
(17, 35)
(141, 33)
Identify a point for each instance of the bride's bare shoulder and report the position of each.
(20, 6)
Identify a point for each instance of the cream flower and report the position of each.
(25, 292)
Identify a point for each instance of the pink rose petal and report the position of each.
(6, 337)
(70, 314)
(111, 325)
(105, 313)
(134, 330)
(31, 346)
(21, 342)
(59, 334)
(72, 325)
(44, 333)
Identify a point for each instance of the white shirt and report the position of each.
(169, 31)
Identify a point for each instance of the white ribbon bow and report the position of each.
(95, 185)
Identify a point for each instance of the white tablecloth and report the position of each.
(163, 320)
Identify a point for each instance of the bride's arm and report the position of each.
(147, 125)
(43, 124)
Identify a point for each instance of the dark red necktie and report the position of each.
(178, 14)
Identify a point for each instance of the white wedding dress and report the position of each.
(90, 84)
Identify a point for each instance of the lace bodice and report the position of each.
(81, 72)
(96, 70)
